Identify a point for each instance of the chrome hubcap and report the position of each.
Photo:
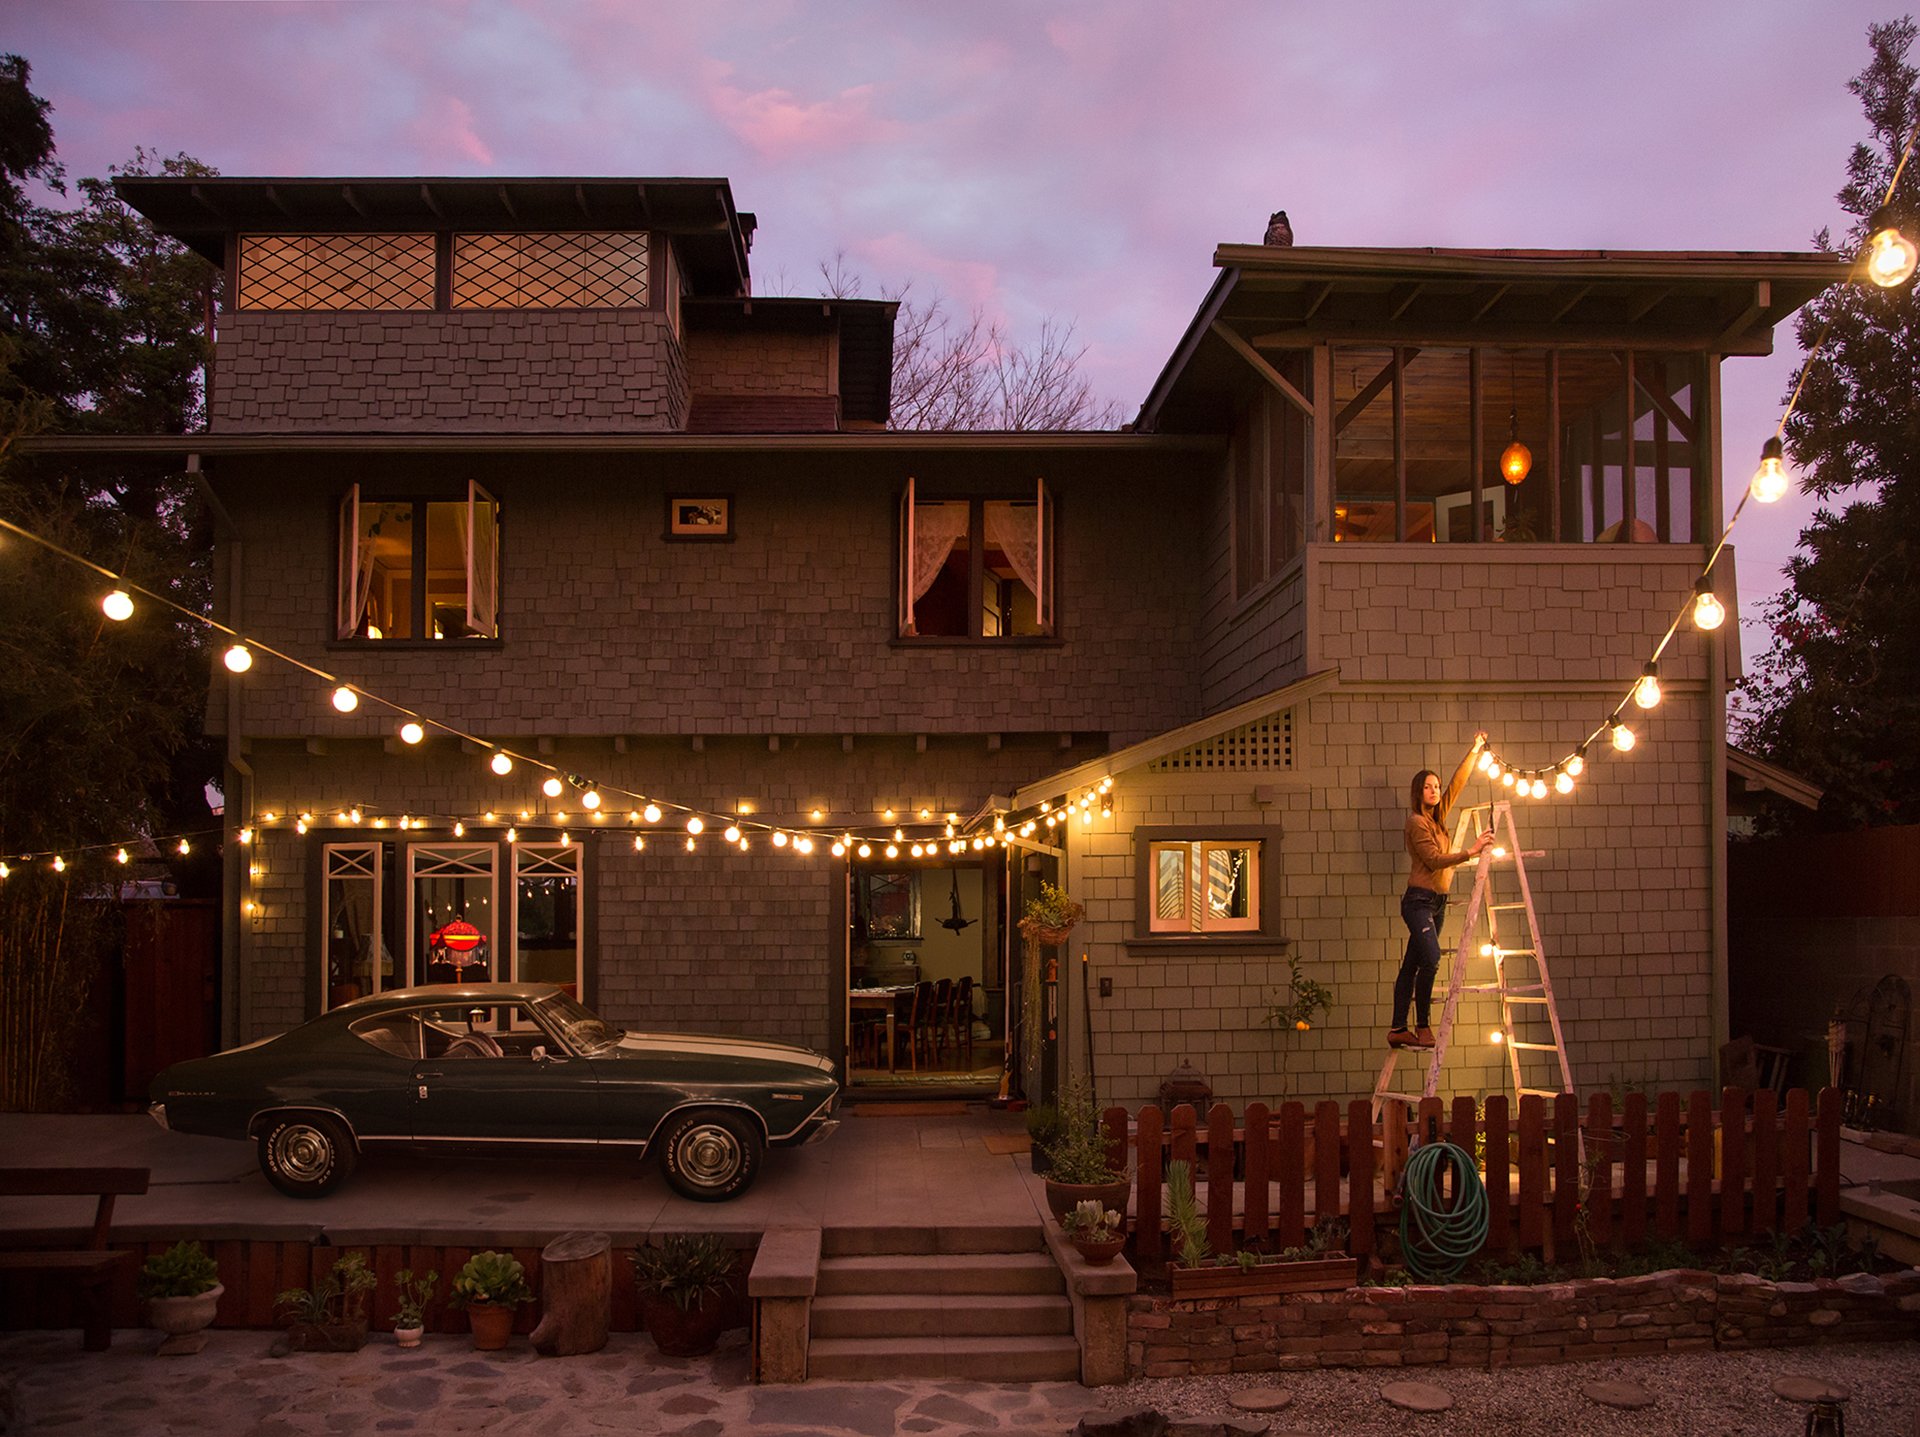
(709, 1155)
(303, 1153)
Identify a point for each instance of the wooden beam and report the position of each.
(353, 202)
(1553, 443)
(273, 198)
(1318, 298)
(1499, 293)
(1578, 293)
(506, 202)
(1477, 440)
(1357, 405)
(427, 199)
(1396, 370)
(1260, 366)
(1400, 297)
(1756, 306)
(580, 199)
(1646, 305)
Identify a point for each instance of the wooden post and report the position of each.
(1499, 1179)
(1291, 1228)
(1793, 1161)
(1733, 1162)
(1600, 1164)
(576, 1294)
(1360, 1177)
(1566, 1168)
(1146, 1197)
(1220, 1178)
(1699, 1167)
(1326, 1161)
(1826, 1159)
(1533, 1170)
(1259, 1141)
(1666, 1166)
(1633, 1178)
(1766, 1161)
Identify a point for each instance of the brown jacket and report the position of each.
(1433, 862)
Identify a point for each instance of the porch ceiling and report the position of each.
(1283, 298)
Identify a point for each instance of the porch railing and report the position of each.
(1671, 1169)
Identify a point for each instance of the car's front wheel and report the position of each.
(710, 1156)
(306, 1155)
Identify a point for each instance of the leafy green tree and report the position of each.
(1837, 696)
(100, 723)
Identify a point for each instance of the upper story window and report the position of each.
(419, 568)
(564, 270)
(337, 271)
(976, 567)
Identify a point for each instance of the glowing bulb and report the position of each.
(4, 870)
(639, 843)
(956, 846)
(354, 816)
(300, 825)
(502, 764)
(917, 851)
(865, 850)
(1499, 850)
(839, 849)
(801, 845)
(926, 813)
(459, 829)
(696, 824)
(651, 813)
(779, 839)
(1708, 612)
(1770, 479)
(1516, 460)
(513, 835)
(1563, 781)
(411, 733)
(117, 606)
(1487, 950)
(691, 845)
(1507, 778)
(246, 835)
(1577, 765)
(1539, 788)
(1622, 737)
(185, 848)
(238, 658)
(888, 815)
(1496, 1037)
(59, 863)
(566, 840)
(1646, 693)
(120, 856)
(488, 816)
(590, 799)
(1494, 769)
(893, 850)
(1486, 760)
(1891, 256)
(732, 835)
(551, 788)
(345, 699)
(816, 815)
(1086, 818)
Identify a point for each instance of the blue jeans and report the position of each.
(1423, 912)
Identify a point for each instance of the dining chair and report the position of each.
(904, 1003)
(962, 1015)
(937, 1025)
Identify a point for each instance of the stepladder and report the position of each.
(1500, 959)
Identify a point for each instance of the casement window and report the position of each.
(976, 567)
(1204, 886)
(416, 568)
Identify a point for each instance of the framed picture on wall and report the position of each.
(699, 516)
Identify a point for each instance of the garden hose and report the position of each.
(1437, 1239)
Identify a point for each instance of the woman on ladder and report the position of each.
(1424, 905)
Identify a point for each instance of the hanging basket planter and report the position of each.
(1054, 937)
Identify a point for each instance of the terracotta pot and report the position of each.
(1061, 1197)
(492, 1325)
(1099, 1253)
(692, 1333)
(177, 1316)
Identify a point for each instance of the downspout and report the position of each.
(1716, 720)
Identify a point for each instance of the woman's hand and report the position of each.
(1479, 740)
(1480, 843)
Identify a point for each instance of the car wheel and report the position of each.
(306, 1155)
(709, 1156)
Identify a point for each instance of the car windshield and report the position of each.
(584, 1030)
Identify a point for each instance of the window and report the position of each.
(1205, 887)
(570, 270)
(346, 271)
(450, 925)
(547, 942)
(357, 959)
(1267, 461)
(419, 568)
(976, 567)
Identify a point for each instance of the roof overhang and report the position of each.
(889, 441)
(864, 327)
(711, 236)
(1275, 298)
(1759, 776)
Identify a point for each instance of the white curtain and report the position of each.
(363, 581)
(936, 529)
(1014, 529)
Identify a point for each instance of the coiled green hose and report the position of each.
(1437, 1239)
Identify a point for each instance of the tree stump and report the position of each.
(576, 1294)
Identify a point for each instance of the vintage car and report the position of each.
(487, 1066)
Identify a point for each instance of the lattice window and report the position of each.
(1265, 745)
(581, 270)
(347, 271)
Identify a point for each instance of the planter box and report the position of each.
(1320, 1274)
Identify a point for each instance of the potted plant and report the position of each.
(1321, 1265)
(1077, 1157)
(181, 1287)
(1097, 1233)
(683, 1281)
(1043, 1127)
(1051, 917)
(490, 1287)
(330, 1316)
(410, 1311)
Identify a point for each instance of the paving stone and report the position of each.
(868, 1409)
(943, 1407)
(1417, 1396)
(1810, 1389)
(1135, 1422)
(1260, 1399)
(1627, 1396)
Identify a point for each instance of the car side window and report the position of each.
(394, 1033)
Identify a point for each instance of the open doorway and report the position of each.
(926, 976)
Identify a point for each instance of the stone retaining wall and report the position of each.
(1512, 1326)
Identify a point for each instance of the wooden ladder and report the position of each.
(1520, 993)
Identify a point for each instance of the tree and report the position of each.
(1837, 695)
(100, 723)
(954, 374)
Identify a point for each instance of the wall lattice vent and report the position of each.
(1263, 746)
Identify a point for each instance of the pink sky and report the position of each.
(1069, 160)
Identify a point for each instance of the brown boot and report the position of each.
(1401, 1038)
(1423, 1038)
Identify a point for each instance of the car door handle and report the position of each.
(431, 1073)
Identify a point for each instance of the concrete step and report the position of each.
(868, 1241)
(981, 1359)
(913, 1275)
(955, 1315)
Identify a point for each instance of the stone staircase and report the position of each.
(986, 1303)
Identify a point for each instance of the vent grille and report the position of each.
(1263, 746)
(336, 271)
(574, 270)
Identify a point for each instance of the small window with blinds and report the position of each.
(1204, 887)
(337, 271)
(551, 270)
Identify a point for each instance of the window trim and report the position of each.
(545, 851)
(346, 615)
(375, 858)
(1264, 935)
(1045, 601)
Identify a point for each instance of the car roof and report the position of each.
(449, 994)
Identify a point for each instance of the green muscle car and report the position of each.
(481, 1066)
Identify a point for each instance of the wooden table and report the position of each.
(879, 1000)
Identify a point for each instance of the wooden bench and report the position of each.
(91, 1268)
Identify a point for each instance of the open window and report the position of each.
(1205, 886)
(419, 568)
(976, 566)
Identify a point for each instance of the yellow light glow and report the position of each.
(411, 733)
(118, 606)
(1563, 781)
(1496, 1037)
(1498, 850)
(566, 840)
(502, 765)
(551, 788)
(1487, 950)
(651, 813)
(354, 815)
(513, 835)
(345, 699)
(1622, 737)
(590, 799)
(839, 849)
(917, 851)
(120, 856)
(1770, 480)
(779, 838)
(1646, 693)
(246, 835)
(1708, 612)
(59, 864)
(1507, 778)
(696, 824)
(459, 829)
(1516, 460)
(802, 844)
(238, 659)
(1577, 765)
(888, 815)
(1486, 761)
(639, 843)
(1539, 788)
(732, 834)
(865, 850)
(1891, 257)
(1495, 768)
(816, 815)
(893, 850)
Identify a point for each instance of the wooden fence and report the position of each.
(1675, 1170)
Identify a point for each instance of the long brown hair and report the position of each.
(1420, 782)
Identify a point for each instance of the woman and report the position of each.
(1424, 904)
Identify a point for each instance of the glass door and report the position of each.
(451, 933)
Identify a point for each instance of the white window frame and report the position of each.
(553, 860)
(353, 860)
(481, 545)
(1197, 920)
(1044, 566)
(457, 860)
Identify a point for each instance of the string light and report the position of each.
(246, 835)
(639, 843)
(1769, 481)
(1708, 612)
(345, 699)
(238, 659)
(118, 606)
(591, 798)
(551, 788)
(696, 824)
(411, 733)
(59, 864)
(780, 839)
(1891, 256)
(1622, 737)
(1646, 693)
(120, 856)
(652, 813)
(1563, 781)
(732, 835)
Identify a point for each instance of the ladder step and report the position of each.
(1532, 1047)
(1506, 907)
(1540, 1092)
(1522, 998)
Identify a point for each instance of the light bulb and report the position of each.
(120, 856)
(354, 816)
(590, 799)
(801, 845)
(345, 699)
(59, 864)
(893, 850)
(1622, 737)
(1539, 788)
(816, 815)
(1507, 778)
(639, 843)
(1770, 479)
(839, 849)
(691, 845)
(246, 835)
(926, 813)
(513, 835)
(917, 851)
(300, 824)
(1516, 460)
(4, 870)
(1563, 781)
(865, 850)
(1496, 1037)
(1708, 612)
(566, 840)
(185, 848)
(651, 813)
(888, 815)
(1494, 769)
(118, 606)
(1577, 765)
(239, 658)
(696, 824)
(411, 733)
(1891, 256)
(1486, 760)
(551, 788)
(502, 764)
(779, 838)
(732, 835)
(459, 829)
(1646, 693)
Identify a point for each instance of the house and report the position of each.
(528, 463)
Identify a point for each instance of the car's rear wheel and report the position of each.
(709, 1155)
(306, 1155)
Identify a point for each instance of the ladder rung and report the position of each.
(1540, 1092)
(1507, 907)
(1524, 998)
(1532, 1047)
(1516, 952)
(1479, 987)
